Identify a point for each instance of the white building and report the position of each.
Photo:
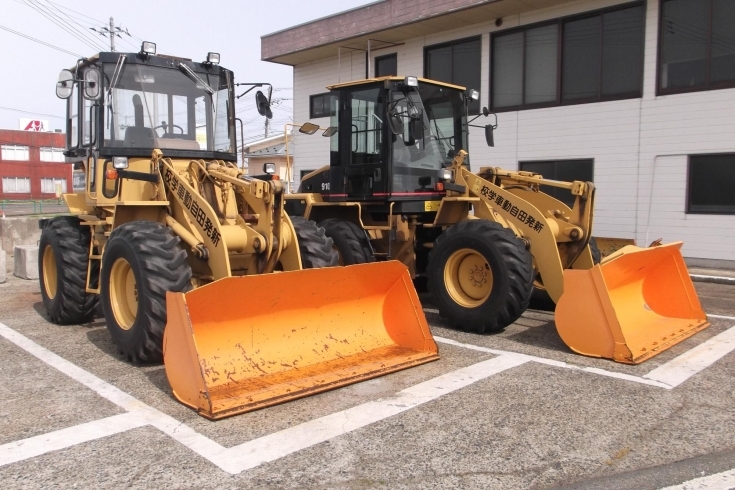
(638, 96)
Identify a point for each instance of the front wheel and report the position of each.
(141, 262)
(480, 275)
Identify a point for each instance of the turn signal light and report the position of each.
(111, 174)
(439, 186)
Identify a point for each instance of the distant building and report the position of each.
(32, 165)
(638, 96)
(270, 150)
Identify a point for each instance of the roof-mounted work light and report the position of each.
(148, 48)
(213, 58)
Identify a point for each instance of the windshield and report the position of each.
(443, 133)
(168, 108)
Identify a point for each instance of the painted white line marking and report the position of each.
(678, 370)
(102, 388)
(431, 310)
(721, 317)
(247, 455)
(724, 279)
(561, 364)
(288, 441)
(718, 481)
(64, 438)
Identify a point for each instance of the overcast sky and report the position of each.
(185, 28)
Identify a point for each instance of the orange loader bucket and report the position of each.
(635, 304)
(244, 343)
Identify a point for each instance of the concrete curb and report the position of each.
(730, 281)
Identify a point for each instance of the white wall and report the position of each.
(626, 139)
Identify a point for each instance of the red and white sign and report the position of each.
(33, 125)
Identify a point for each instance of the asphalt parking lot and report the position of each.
(511, 410)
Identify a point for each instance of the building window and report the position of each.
(697, 45)
(592, 58)
(320, 105)
(456, 62)
(52, 154)
(564, 170)
(386, 65)
(15, 152)
(304, 173)
(16, 185)
(53, 186)
(711, 180)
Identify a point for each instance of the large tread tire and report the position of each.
(68, 241)
(595, 250)
(509, 262)
(349, 240)
(159, 265)
(315, 247)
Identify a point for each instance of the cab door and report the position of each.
(363, 144)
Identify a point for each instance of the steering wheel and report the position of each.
(165, 127)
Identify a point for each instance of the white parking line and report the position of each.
(13, 452)
(718, 481)
(678, 370)
(721, 317)
(244, 456)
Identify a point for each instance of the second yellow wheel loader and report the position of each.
(399, 186)
(196, 262)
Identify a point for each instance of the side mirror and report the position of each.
(92, 84)
(65, 85)
(489, 135)
(308, 128)
(331, 130)
(263, 106)
(395, 123)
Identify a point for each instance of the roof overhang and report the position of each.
(384, 24)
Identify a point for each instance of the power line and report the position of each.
(41, 42)
(29, 112)
(38, 9)
(72, 10)
(83, 29)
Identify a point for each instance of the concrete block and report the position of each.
(18, 231)
(26, 262)
(3, 271)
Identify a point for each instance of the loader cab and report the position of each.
(121, 106)
(390, 137)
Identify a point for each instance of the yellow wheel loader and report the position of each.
(399, 186)
(195, 262)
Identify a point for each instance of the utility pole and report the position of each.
(111, 31)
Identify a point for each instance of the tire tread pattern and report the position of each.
(315, 246)
(350, 239)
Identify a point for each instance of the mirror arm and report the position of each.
(242, 142)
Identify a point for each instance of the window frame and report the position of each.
(15, 147)
(560, 21)
(555, 161)
(327, 95)
(53, 184)
(5, 191)
(54, 151)
(452, 43)
(659, 57)
(383, 58)
(688, 204)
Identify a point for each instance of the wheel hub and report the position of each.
(50, 273)
(123, 294)
(468, 278)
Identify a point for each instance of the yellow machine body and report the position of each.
(244, 343)
(635, 304)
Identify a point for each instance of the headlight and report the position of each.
(474, 94)
(445, 174)
(411, 81)
(269, 168)
(148, 47)
(120, 162)
(213, 58)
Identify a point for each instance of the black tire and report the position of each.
(315, 247)
(511, 278)
(349, 240)
(66, 298)
(596, 254)
(158, 264)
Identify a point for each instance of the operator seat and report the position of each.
(138, 136)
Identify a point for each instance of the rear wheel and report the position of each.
(141, 262)
(316, 248)
(480, 275)
(349, 241)
(62, 264)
